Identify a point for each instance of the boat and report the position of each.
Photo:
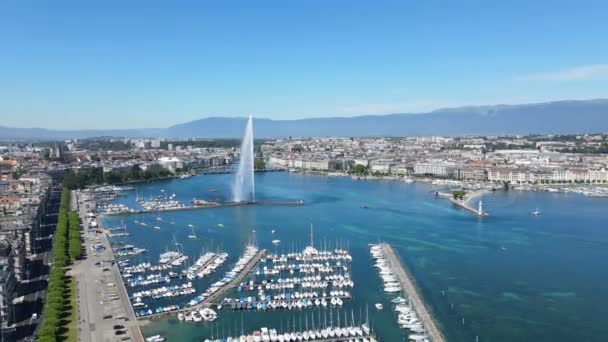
(379, 306)
(220, 225)
(536, 212)
(398, 300)
(157, 227)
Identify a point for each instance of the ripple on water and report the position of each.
(510, 296)
(559, 294)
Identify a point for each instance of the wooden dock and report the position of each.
(408, 285)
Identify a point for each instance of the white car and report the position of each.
(34, 316)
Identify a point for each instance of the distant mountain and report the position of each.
(587, 116)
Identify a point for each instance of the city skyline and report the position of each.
(113, 65)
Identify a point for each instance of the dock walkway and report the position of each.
(416, 302)
(235, 282)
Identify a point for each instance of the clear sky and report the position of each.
(128, 64)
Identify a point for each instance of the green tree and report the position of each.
(360, 170)
(259, 164)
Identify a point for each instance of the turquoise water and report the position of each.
(509, 276)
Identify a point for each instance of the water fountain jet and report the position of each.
(243, 189)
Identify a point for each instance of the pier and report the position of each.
(212, 299)
(209, 206)
(415, 300)
(465, 204)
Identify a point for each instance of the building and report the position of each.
(7, 284)
(155, 143)
(470, 173)
(4, 186)
(170, 163)
(434, 169)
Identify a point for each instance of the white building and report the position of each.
(435, 169)
(170, 163)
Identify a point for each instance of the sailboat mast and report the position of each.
(312, 243)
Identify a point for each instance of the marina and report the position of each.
(298, 280)
(243, 266)
(321, 332)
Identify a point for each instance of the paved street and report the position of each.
(98, 280)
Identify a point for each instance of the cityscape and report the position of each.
(302, 174)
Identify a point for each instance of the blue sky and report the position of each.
(127, 64)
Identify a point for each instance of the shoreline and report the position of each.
(575, 188)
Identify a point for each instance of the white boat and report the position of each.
(536, 212)
(379, 306)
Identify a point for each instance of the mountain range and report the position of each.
(581, 116)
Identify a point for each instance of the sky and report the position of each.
(133, 64)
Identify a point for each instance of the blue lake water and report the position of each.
(507, 277)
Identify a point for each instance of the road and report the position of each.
(98, 279)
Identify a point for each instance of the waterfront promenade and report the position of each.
(408, 285)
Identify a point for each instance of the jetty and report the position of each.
(213, 299)
(210, 205)
(465, 204)
(408, 285)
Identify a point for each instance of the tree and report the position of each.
(259, 164)
(459, 194)
(360, 170)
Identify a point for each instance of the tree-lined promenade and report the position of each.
(59, 314)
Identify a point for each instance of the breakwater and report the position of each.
(407, 283)
(207, 206)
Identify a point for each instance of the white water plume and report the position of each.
(244, 187)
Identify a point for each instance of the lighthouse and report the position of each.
(480, 209)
